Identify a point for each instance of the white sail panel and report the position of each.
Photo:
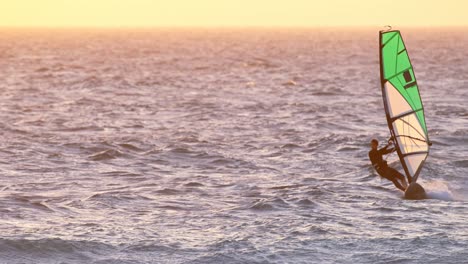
(413, 162)
(396, 103)
(410, 135)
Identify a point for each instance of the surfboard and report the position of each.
(402, 103)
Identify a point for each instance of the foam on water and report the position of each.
(438, 189)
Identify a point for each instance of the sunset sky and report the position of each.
(219, 13)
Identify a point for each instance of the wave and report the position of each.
(461, 163)
(168, 191)
(130, 147)
(290, 146)
(262, 206)
(48, 250)
(330, 91)
(194, 184)
(42, 69)
(106, 155)
(261, 63)
(33, 202)
(117, 196)
(91, 128)
(285, 187)
(89, 82)
(174, 208)
(181, 150)
(269, 204)
(306, 203)
(148, 247)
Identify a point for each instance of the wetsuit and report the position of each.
(383, 169)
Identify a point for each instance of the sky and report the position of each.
(227, 13)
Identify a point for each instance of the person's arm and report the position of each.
(386, 149)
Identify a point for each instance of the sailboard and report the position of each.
(403, 105)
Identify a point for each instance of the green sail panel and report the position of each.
(403, 104)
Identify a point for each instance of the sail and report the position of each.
(402, 102)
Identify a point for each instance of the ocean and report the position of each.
(223, 146)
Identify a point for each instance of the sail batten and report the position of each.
(397, 74)
(405, 114)
(402, 103)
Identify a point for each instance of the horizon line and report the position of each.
(230, 27)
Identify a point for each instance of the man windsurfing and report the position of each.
(380, 165)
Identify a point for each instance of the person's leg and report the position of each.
(398, 175)
(397, 184)
(389, 175)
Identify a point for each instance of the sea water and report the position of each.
(223, 146)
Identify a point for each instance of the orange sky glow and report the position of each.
(226, 13)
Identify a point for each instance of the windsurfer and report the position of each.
(380, 165)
